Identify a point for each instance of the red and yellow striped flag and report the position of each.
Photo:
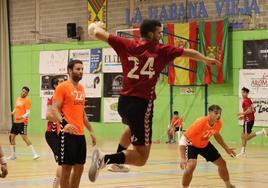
(177, 76)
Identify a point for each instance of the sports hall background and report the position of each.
(50, 17)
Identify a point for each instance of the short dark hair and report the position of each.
(54, 81)
(72, 63)
(176, 113)
(148, 25)
(26, 88)
(214, 107)
(245, 89)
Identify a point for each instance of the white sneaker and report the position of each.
(97, 163)
(12, 157)
(264, 133)
(36, 156)
(118, 168)
(241, 154)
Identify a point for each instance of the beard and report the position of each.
(76, 78)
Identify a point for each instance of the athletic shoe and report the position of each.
(118, 168)
(11, 157)
(241, 154)
(264, 132)
(36, 156)
(97, 163)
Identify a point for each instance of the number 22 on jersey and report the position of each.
(147, 69)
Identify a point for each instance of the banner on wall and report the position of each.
(111, 61)
(110, 110)
(82, 55)
(92, 84)
(92, 109)
(95, 61)
(46, 89)
(113, 83)
(53, 62)
(255, 80)
(255, 54)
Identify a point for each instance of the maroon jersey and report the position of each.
(142, 62)
(247, 103)
(51, 127)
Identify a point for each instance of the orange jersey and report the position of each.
(200, 132)
(176, 122)
(22, 104)
(72, 101)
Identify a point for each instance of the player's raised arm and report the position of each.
(193, 54)
(96, 29)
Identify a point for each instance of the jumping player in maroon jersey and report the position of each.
(142, 62)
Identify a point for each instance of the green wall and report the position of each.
(25, 67)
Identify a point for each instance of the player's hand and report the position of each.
(71, 129)
(4, 171)
(93, 138)
(211, 61)
(231, 152)
(183, 164)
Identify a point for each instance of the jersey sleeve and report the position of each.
(118, 43)
(247, 103)
(59, 93)
(172, 52)
(27, 104)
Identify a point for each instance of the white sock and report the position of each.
(56, 182)
(259, 133)
(12, 149)
(243, 149)
(32, 149)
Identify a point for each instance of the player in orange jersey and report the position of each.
(196, 141)
(69, 100)
(21, 113)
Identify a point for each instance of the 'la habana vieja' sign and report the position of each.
(177, 12)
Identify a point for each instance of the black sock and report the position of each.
(120, 148)
(117, 158)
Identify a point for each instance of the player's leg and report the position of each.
(243, 140)
(12, 147)
(138, 113)
(13, 132)
(123, 145)
(25, 138)
(210, 153)
(76, 175)
(188, 172)
(191, 156)
(79, 148)
(169, 134)
(65, 176)
(53, 142)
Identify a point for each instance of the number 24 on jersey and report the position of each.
(147, 69)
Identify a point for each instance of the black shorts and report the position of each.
(72, 149)
(53, 142)
(19, 128)
(248, 125)
(137, 113)
(210, 153)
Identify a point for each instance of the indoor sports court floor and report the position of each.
(161, 170)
